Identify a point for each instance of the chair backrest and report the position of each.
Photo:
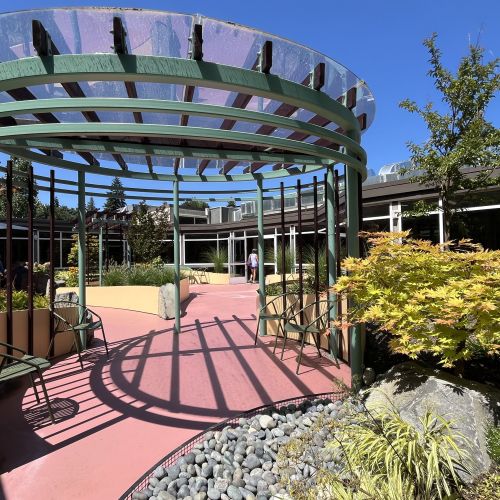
(66, 313)
(287, 303)
(317, 313)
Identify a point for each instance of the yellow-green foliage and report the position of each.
(70, 277)
(427, 457)
(384, 458)
(20, 301)
(430, 300)
(487, 487)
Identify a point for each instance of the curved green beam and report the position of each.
(31, 71)
(129, 189)
(112, 172)
(178, 107)
(97, 146)
(176, 131)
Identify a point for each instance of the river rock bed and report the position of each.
(241, 462)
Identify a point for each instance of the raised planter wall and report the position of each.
(133, 298)
(41, 337)
(218, 278)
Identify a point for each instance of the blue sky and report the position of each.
(379, 40)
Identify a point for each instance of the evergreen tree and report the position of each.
(91, 205)
(116, 194)
(460, 136)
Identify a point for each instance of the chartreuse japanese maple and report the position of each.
(442, 302)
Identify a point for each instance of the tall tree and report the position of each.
(91, 205)
(194, 204)
(459, 135)
(20, 194)
(115, 195)
(146, 232)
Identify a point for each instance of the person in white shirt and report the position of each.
(253, 264)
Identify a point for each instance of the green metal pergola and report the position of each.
(179, 99)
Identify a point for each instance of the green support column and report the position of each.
(332, 265)
(260, 235)
(177, 259)
(352, 180)
(100, 255)
(81, 249)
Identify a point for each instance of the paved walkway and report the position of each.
(116, 419)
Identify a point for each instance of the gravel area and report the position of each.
(242, 462)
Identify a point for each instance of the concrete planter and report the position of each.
(41, 337)
(218, 278)
(133, 298)
(272, 326)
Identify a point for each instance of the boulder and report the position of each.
(413, 388)
(166, 308)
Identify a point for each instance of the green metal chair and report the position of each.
(307, 320)
(12, 367)
(271, 312)
(73, 317)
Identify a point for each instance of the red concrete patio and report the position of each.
(116, 419)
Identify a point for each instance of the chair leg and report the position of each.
(42, 382)
(257, 331)
(316, 342)
(285, 338)
(78, 348)
(300, 353)
(105, 342)
(277, 335)
(33, 384)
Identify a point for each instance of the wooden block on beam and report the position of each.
(351, 98)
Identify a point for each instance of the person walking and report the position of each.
(253, 264)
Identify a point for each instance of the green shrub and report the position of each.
(20, 301)
(289, 259)
(70, 277)
(139, 275)
(382, 457)
(217, 258)
(322, 266)
(115, 276)
(493, 443)
(486, 487)
(446, 303)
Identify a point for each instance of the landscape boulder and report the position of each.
(413, 388)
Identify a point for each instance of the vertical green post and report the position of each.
(100, 255)
(81, 250)
(177, 260)
(260, 243)
(352, 187)
(332, 265)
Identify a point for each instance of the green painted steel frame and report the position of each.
(109, 67)
(18, 140)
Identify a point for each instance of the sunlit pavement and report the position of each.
(117, 418)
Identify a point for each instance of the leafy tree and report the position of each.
(459, 136)
(231, 203)
(146, 231)
(92, 249)
(115, 199)
(443, 303)
(61, 212)
(20, 193)
(194, 204)
(91, 205)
